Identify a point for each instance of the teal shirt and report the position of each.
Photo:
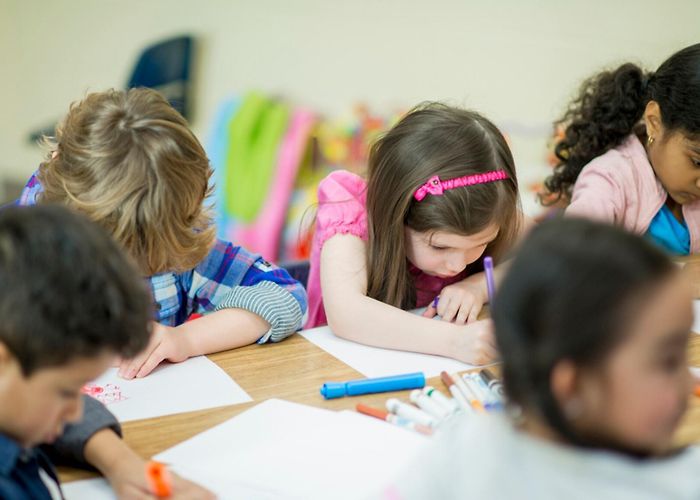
(669, 233)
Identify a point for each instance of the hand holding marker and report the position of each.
(490, 284)
(158, 479)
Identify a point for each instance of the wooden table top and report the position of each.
(293, 370)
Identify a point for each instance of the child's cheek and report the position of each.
(659, 416)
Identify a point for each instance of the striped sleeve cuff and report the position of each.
(272, 303)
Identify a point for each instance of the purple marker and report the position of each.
(435, 302)
(490, 285)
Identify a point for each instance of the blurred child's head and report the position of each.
(613, 104)
(69, 302)
(439, 234)
(593, 325)
(129, 161)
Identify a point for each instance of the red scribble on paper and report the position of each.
(105, 394)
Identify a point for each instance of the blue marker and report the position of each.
(332, 390)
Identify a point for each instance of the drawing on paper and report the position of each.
(105, 394)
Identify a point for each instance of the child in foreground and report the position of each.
(69, 303)
(593, 325)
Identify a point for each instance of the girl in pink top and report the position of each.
(440, 192)
(631, 151)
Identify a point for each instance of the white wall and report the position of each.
(517, 61)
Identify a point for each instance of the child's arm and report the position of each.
(244, 299)
(126, 471)
(355, 316)
(214, 332)
(95, 441)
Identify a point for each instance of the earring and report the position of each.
(650, 141)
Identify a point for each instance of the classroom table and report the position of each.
(294, 370)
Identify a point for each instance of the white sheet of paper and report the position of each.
(377, 362)
(285, 450)
(696, 321)
(195, 384)
(88, 489)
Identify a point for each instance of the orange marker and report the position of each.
(158, 479)
(697, 390)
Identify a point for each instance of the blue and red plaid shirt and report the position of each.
(229, 277)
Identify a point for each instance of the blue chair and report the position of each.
(165, 67)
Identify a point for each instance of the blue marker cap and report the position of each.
(331, 390)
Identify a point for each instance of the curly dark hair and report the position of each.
(68, 291)
(611, 104)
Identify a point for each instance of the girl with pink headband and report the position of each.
(440, 193)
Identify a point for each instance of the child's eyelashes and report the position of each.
(434, 247)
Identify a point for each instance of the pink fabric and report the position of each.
(621, 187)
(264, 233)
(342, 198)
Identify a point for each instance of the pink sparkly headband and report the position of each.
(436, 187)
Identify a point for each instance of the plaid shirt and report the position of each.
(229, 277)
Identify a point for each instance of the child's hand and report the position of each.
(126, 471)
(460, 302)
(477, 344)
(165, 343)
(128, 480)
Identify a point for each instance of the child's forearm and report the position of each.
(222, 330)
(126, 471)
(371, 322)
(107, 452)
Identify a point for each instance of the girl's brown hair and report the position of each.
(434, 139)
(129, 161)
